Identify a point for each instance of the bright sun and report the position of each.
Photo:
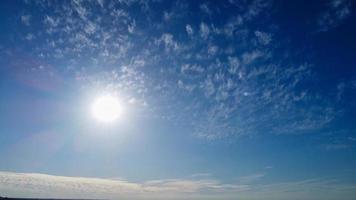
(106, 108)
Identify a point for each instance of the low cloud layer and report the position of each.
(48, 186)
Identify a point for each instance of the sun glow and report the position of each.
(106, 108)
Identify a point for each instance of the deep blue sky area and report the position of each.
(235, 99)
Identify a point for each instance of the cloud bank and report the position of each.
(196, 187)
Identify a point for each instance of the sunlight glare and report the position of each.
(106, 108)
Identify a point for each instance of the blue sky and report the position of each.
(222, 99)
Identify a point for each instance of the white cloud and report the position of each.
(189, 30)
(168, 41)
(131, 27)
(249, 57)
(167, 16)
(205, 8)
(188, 68)
(204, 30)
(335, 14)
(30, 36)
(337, 146)
(213, 49)
(208, 86)
(252, 178)
(25, 19)
(51, 21)
(101, 3)
(235, 86)
(232, 25)
(234, 64)
(263, 37)
(48, 186)
(312, 189)
(34, 185)
(255, 8)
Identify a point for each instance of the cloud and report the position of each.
(205, 8)
(34, 185)
(243, 85)
(204, 30)
(251, 9)
(263, 38)
(308, 189)
(249, 57)
(213, 50)
(336, 146)
(168, 41)
(232, 26)
(336, 12)
(189, 30)
(234, 64)
(25, 19)
(48, 186)
(187, 68)
(51, 21)
(252, 178)
(29, 36)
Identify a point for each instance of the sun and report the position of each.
(106, 108)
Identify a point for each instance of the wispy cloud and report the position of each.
(25, 19)
(337, 11)
(189, 29)
(263, 38)
(251, 178)
(168, 41)
(239, 84)
(204, 30)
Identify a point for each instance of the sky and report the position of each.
(231, 99)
